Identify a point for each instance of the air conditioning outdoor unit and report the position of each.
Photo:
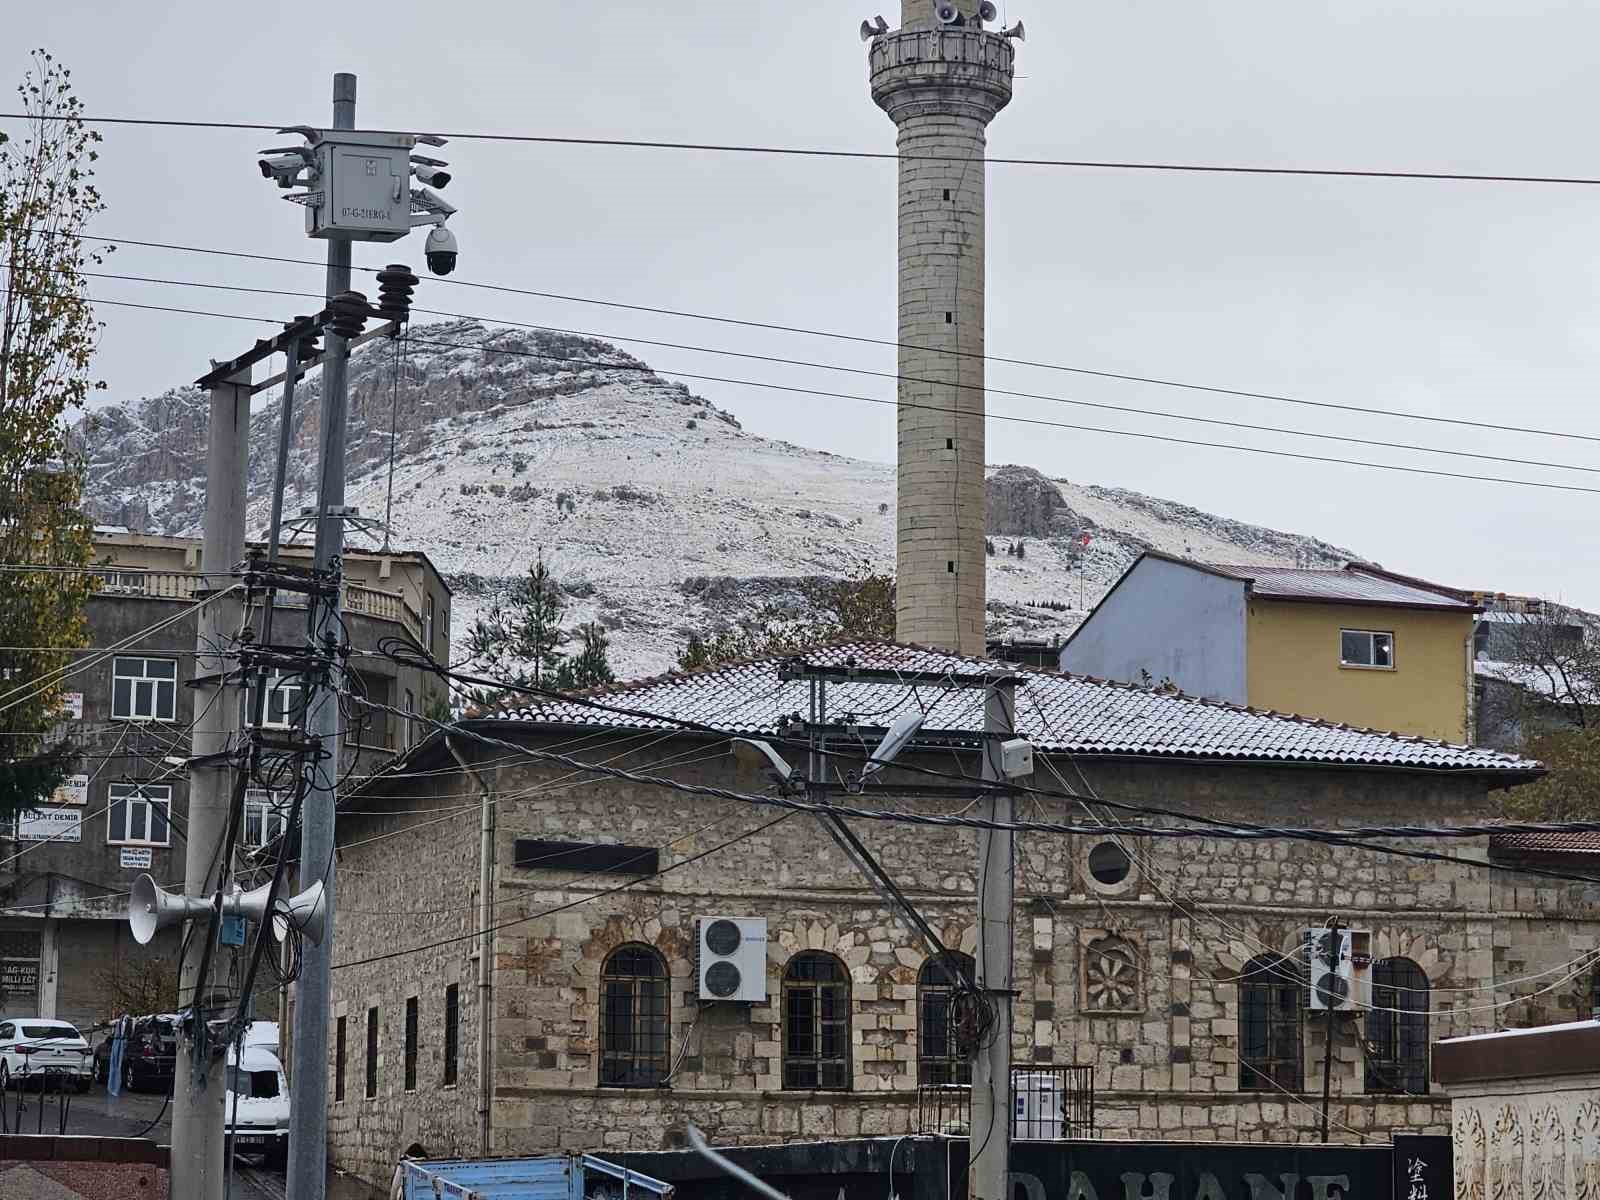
(1339, 969)
(731, 958)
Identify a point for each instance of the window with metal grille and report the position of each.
(338, 1060)
(452, 1032)
(372, 1053)
(816, 1023)
(634, 1018)
(939, 1056)
(144, 689)
(1271, 1003)
(1397, 1028)
(411, 1044)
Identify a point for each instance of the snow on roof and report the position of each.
(1058, 712)
(1352, 585)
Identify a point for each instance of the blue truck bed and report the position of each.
(541, 1177)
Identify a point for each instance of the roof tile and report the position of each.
(1057, 712)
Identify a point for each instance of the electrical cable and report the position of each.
(825, 152)
(835, 335)
(560, 908)
(955, 384)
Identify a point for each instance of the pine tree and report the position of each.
(47, 336)
(590, 666)
(517, 640)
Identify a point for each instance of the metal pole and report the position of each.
(308, 1107)
(991, 1070)
(1327, 1050)
(198, 1091)
(486, 921)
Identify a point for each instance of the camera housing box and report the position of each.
(364, 186)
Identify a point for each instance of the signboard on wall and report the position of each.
(134, 859)
(71, 707)
(19, 977)
(50, 825)
(74, 789)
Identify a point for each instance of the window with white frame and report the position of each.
(408, 735)
(144, 689)
(285, 696)
(1366, 648)
(141, 814)
(266, 814)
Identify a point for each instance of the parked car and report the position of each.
(257, 1104)
(32, 1046)
(150, 1057)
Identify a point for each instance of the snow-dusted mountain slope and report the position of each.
(659, 513)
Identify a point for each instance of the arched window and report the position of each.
(816, 1023)
(1271, 998)
(939, 1058)
(1397, 1028)
(635, 1017)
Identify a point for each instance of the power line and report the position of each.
(1035, 421)
(1385, 444)
(869, 155)
(891, 343)
(1228, 832)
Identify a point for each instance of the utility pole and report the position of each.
(1335, 948)
(991, 1070)
(198, 1127)
(308, 1110)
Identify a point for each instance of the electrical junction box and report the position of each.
(363, 188)
(731, 958)
(1016, 758)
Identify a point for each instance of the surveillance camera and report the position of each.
(430, 174)
(283, 168)
(441, 250)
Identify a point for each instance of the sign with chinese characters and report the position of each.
(50, 825)
(71, 707)
(1423, 1168)
(135, 859)
(74, 789)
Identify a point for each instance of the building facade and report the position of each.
(1174, 971)
(1359, 645)
(65, 947)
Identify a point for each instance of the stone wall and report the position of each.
(1162, 1035)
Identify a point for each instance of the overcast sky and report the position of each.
(1463, 299)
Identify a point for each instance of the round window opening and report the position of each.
(1109, 864)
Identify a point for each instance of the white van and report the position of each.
(258, 1105)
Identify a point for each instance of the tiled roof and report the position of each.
(1547, 843)
(1057, 712)
(1352, 585)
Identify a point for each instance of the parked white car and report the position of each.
(257, 1100)
(30, 1046)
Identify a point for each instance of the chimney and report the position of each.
(941, 84)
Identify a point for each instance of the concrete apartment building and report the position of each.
(69, 864)
(1169, 969)
(1360, 645)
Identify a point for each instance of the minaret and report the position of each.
(941, 82)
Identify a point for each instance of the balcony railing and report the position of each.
(183, 585)
(1048, 1104)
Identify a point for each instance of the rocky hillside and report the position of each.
(659, 513)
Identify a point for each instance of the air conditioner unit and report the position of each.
(731, 958)
(1339, 975)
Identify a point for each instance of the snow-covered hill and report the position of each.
(656, 510)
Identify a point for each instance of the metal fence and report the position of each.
(1048, 1104)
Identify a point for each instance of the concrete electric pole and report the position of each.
(991, 1069)
(941, 78)
(198, 1127)
(308, 1110)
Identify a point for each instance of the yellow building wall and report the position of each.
(1292, 653)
